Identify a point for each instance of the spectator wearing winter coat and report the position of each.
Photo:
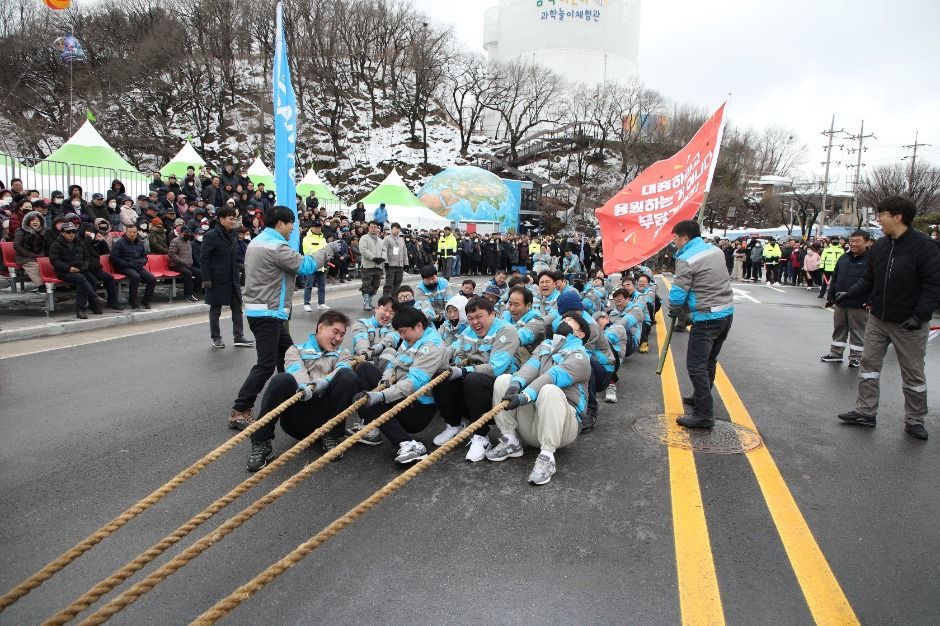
(359, 213)
(117, 191)
(129, 257)
(850, 315)
(811, 266)
(127, 213)
(53, 233)
(157, 185)
(157, 236)
(214, 194)
(75, 203)
(230, 177)
(373, 256)
(56, 204)
(173, 185)
(180, 252)
(218, 261)
(70, 260)
(757, 258)
(97, 242)
(29, 243)
(96, 208)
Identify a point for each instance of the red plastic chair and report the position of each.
(159, 266)
(12, 266)
(47, 273)
(120, 279)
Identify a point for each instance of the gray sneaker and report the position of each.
(411, 451)
(371, 438)
(543, 471)
(504, 450)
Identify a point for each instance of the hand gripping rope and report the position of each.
(105, 531)
(224, 606)
(108, 584)
(129, 596)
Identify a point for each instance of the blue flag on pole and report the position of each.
(285, 128)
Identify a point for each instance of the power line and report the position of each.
(828, 133)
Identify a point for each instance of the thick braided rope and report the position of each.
(142, 505)
(108, 584)
(129, 596)
(224, 606)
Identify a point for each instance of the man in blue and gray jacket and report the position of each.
(271, 267)
(702, 283)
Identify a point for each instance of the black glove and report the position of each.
(378, 260)
(513, 390)
(912, 323)
(839, 297)
(517, 400)
(673, 313)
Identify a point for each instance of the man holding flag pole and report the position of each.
(636, 224)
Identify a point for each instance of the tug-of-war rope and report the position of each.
(228, 603)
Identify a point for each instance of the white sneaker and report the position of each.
(323, 307)
(307, 308)
(611, 395)
(446, 435)
(411, 451)
(478, 447)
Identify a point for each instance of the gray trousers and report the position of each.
(848, 324)
(393, 277)
(371, 280)
(910, 347)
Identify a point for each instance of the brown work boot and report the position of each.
(644, 347)
(240, 420)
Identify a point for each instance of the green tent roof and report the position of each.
(186, 157)
(261, 175)
(312, 182)
(402, 205)
(86, 147)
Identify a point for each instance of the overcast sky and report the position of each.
(792, 63)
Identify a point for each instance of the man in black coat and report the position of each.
(849, 316)
(70, 261)
(901, 284)
(129, 257)
(218, 260)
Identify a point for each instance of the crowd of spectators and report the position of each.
(176, 214)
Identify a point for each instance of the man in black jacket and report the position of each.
(221, 278)
(850, 315)
(129, 257)
(902, 287)
(70, 261)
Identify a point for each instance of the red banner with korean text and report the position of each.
(637, 222)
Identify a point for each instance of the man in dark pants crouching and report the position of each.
(702, 283)
(310, 367)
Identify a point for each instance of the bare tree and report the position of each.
(467, 89)
(525, 99)
(922, 185)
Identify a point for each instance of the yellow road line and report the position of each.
(822, 591)
(699, 598)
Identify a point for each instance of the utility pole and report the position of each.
(913, 158)
(861, 137)
(825, 189)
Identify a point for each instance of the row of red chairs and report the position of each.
(157, 264)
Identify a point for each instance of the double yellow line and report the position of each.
(699, 596)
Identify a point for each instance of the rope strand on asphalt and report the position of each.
(142, 505)
(224, 606)
(108, 584)
(129, 596)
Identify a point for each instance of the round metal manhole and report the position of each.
(724, 438)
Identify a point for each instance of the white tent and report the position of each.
(259, 174)
(402, 205)
(186, 157)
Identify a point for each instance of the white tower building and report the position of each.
(585, 41)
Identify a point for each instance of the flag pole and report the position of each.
(714, 163)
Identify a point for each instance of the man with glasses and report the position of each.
(901, 284)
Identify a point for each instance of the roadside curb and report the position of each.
(53, 329)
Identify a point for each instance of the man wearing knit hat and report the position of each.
(569, 302)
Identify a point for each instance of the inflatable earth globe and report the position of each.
(470, 194)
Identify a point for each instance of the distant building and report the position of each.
(584, 41)
(766, 185)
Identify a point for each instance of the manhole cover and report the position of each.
(723, 438)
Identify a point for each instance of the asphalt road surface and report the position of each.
(826, 522)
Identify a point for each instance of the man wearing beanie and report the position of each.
(570, 302)
(157, 237)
